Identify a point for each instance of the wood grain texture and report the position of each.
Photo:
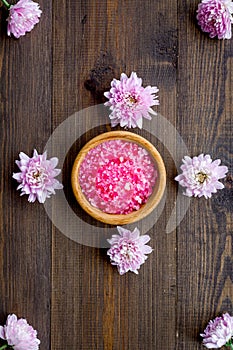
(109, 311)
(69, 292)
(204, 239)
(25, 117)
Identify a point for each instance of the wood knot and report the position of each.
(101, 76)
(229, 181)
(84, 19)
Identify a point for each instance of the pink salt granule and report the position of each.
(117, 176)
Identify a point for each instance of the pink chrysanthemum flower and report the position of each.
(200, 176)
(219, 332)
(129, 102)
(22, 17)
(37, 175)
(214, 17)
(19, 334)
(128, 250)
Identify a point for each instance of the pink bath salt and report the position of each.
(117, 176)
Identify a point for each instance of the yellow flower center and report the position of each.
(36, 175)
(201, 177)
(130, 100)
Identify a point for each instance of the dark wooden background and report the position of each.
(69, 292)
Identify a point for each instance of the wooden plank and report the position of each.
(25, 118)
(205, 235)
(92, 306)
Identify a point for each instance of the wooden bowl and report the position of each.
(145, 209)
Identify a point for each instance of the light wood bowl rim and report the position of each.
(154, 199)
